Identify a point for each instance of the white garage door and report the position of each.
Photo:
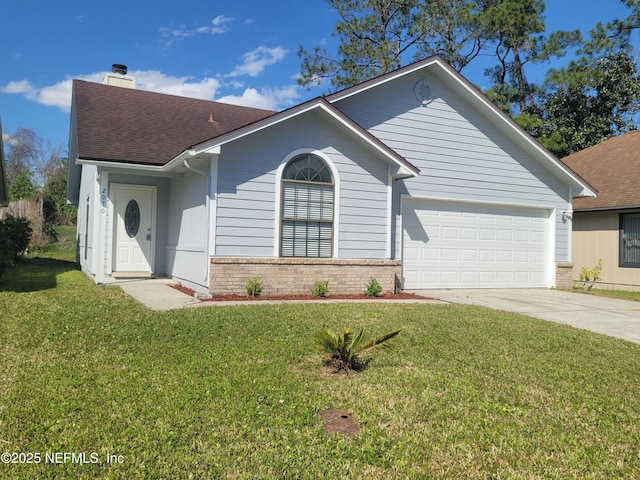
(467, 245)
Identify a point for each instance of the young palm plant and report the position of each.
(347, 351)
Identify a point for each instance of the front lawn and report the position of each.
(621, 294)
(237, 392)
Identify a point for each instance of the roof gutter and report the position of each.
(125, 166)
(606, 209)
(187, 155)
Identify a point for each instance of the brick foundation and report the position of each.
(297, 276)
(564, 275)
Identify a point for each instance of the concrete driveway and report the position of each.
(616, 318)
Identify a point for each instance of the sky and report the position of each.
(242, 52)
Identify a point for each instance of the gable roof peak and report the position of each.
(385, 77)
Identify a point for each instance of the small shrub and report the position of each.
(15, 235)
(253, 287)
(588, 276)
(346, 351)
(373, 288)
(320, 289)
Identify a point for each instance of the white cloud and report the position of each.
(59, 94)
(267, 98)
(254, 62)
(156, 81)
(218, 25)
(23, 86)
(8, 139)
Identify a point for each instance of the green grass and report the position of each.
(64, 248)
(621, 294)
(237, 392)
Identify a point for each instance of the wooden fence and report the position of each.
(31, 209)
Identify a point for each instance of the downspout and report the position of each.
(208, 209)
(194, 169)
(102, 256)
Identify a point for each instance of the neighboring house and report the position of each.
(414, 178)
(4, 191)
(607, 227)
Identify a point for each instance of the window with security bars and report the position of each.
(307, 208)
(630, 240)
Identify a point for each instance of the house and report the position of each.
(413, 178)
(607, 227)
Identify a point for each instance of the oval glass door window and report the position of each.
(132, 218)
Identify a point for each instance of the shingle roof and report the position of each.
(136, 126)
(613, 168)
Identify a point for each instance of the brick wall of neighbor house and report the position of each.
(297, 276)
(564, 274)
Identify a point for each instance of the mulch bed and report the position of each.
(357, 296)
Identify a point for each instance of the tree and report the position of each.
(22, 186)
(377, 36)
(28, 158)
(516, 28)
(587, 102)
(374, 36)
(595, 96)
(15, 234)
(615, 35)
(453, 29)
(33, 165)
(56, 209)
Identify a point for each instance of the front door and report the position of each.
(134, 229)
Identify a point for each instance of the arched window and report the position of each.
(307, 208)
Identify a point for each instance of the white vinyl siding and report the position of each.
(187, 247)
(247, 218)
(463, 151)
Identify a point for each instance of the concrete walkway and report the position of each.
(616, 318)
(156, 293)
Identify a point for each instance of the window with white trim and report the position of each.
(306, 223)
(630, 240)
